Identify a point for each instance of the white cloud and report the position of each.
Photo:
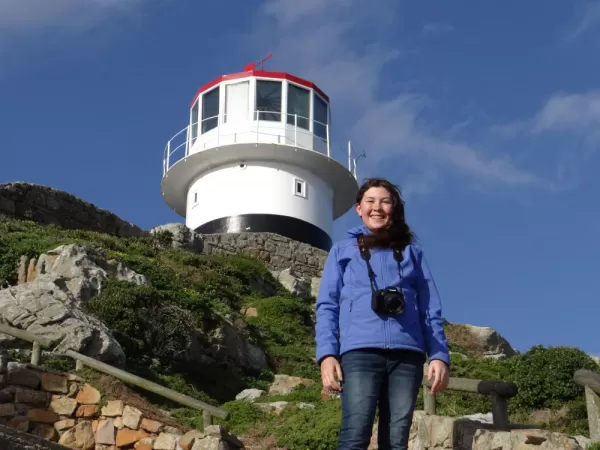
(340, 46)
(574, 115)
(393, 127)
(579, 113)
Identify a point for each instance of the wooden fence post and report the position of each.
(206, 418)
(592, 402)
(500, 412)
(590, 381)
(428, 401)
(36, 353)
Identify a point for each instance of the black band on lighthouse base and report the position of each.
(290, 227)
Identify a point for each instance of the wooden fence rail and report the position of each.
(590, 381)
(499, 392)
(40, 342)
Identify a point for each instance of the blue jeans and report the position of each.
(372, 377)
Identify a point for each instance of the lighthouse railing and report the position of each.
(293, 130)
(173, 146)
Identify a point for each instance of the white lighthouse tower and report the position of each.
(256, 157)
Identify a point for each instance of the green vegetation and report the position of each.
(284, 328)
(191, 297)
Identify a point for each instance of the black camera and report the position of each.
(388, 301)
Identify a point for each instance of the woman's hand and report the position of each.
(330, 368)
(441, 374)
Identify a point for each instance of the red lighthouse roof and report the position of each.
(261, 74)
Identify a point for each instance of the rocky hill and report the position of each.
(229, 320)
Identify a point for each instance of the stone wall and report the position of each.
(476, 432)
(62, 408)
(12, 439)
(276, 251)
(46, 205)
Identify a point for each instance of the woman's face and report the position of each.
(375, 208)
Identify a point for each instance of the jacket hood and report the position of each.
(357, 231)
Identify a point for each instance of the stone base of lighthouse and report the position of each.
(275, 251)
(289, 227)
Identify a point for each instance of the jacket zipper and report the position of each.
(383, 285)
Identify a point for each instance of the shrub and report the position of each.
(243, 417)
(544, 376)
(317, 429)
(147, 325)
(284, 328)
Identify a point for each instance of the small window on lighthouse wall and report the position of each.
(299, 187)
(210, 109)
(268, 100)
(298, 103)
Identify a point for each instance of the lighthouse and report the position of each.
(256, 156)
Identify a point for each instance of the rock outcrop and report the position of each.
(51, 296)
(46, 205)
(50, 301)
(484, 341)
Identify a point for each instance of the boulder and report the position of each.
(231, 344)
(294, 283)
(250, 395)
(51, 296)
(285, 384)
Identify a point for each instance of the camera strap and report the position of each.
(366, 255)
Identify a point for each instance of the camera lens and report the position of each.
(394, 302)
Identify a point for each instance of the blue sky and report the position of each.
(485, 113)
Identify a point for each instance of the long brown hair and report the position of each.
(398, 234)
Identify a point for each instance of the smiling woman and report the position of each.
(388, 316)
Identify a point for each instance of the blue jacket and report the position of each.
(344, 303)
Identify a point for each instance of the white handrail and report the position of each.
(278, 130)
